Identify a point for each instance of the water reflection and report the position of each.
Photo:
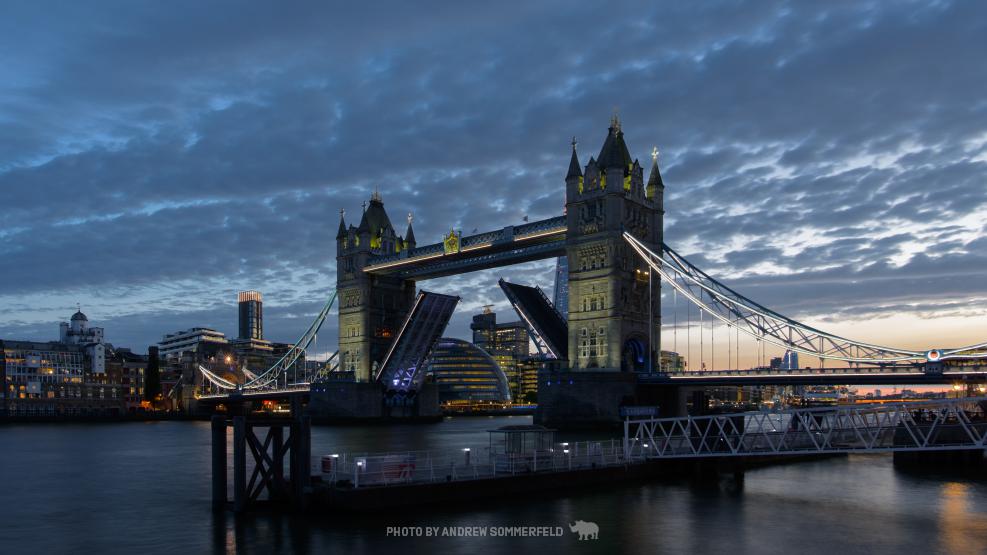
(145, 488)
(963, 530)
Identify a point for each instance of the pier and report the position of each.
(527, 458)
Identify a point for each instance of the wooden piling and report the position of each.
(239, 463)
(219, 463)
(277, 460)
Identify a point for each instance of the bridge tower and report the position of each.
(610, 327)
(371, 307)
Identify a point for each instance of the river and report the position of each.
(145, 487)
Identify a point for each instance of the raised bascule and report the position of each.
(603, 351)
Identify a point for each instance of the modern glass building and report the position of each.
(251, 306)
(464, 372)
(507, 342)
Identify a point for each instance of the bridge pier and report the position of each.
(219, 498)
(583, 399)
(268, 455)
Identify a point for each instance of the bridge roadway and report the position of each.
(864, 375)
(888, 375)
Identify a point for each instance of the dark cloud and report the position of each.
(825, 159)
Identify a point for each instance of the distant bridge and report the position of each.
(942, 425)
(917, 374)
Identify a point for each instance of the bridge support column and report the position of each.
(219, 463)
(239, 463)
(700, 403)
(301, 463)
(582, 399)
(277, 466)
(268, 452)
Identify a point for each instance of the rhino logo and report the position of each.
(586, 530)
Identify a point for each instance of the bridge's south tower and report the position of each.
(371, 307)
(610, 327)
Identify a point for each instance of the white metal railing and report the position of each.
(948, 424)
(383, 469)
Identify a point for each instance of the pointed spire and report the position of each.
(409, 237)
(574, 170)
(654, 181)
(614, 152)
(342, 224)
(364, 224)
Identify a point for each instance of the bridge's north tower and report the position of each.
(610, 328)
(371, 307)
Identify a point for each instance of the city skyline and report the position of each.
(804, 163)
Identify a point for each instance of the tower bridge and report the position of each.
(606, 347)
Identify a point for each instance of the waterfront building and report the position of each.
(193, 340)
(509, 344)
(672, 362)
(183, 351)
(78, 332)
(464, 372)
(78, 375)
(257, 355)
(126, 369)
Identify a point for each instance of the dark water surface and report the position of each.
(144, 488)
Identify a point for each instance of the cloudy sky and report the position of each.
(829, 161)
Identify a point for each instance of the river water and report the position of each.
(145, 487)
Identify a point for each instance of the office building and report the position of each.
(251, 322)
(464, 372)
(193, 340)
(507, 342)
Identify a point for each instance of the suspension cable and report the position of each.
(702, 353)
(675, 319)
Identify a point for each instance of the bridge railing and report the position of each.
(950, 424)
(360, 470)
